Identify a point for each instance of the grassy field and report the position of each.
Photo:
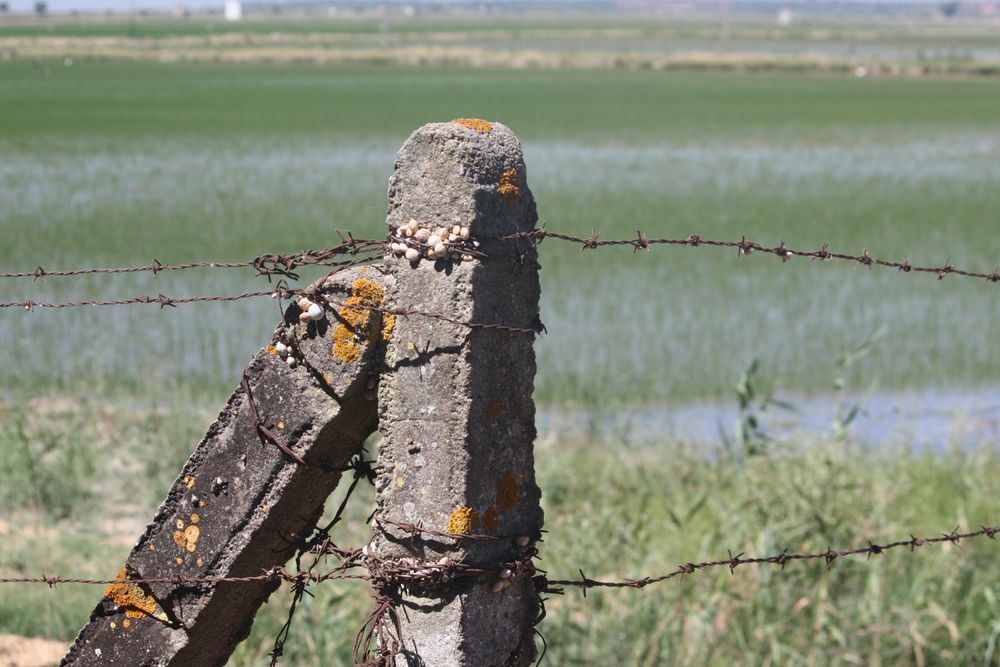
(107, 163)
(82, 476)
(113, 164)
(917, 46)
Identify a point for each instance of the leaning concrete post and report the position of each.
(455, 404)
(242, 505)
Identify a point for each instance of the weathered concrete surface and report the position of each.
(455, 405)
(239, 504)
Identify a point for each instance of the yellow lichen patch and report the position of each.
(400, 482)
(354, 328)
(130, 598)
(189, 481)
(507, 186)
(191, 535)
(180, 524)
(491, 520)
(187, 539)
(126, 623)
(200, 562)
(195, 518)
(477, 124)
(272, 350)
(179, 560)
(508, 491)
(463, 521)
(495, 410)
(388, 324)
(281, 425)
(326, 378)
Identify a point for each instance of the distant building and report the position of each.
(234, 10)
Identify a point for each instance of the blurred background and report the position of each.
(690, 400)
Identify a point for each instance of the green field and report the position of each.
(83, 476)
(114, 163)
(919, 45)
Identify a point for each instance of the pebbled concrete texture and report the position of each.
(240, 503)
(455, 405)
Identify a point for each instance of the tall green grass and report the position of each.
(614, 510)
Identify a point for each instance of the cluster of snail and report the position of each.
(416, 242)
(311, 312)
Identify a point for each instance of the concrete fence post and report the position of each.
(242, 505)
(455, 404)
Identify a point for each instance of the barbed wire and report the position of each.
(162, 300)
(267, 264)
(781, 559)
(415, 529)
(284, 265)
(643, 241)
(279, 292)
(409, 570)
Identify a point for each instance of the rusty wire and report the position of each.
(781, 560)
(280, 291)
(321, 544)
(415, 529)
(162, 300)
(380, 639)
(261, 427)
(744, 246)
(267, 264)
(413, 572)
(277, 264)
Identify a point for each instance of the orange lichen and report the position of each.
(507, 186)
(354, 329)
(491, 520)
(281, 425)
(130, 598)
(272, 350)
(179, 560)
(187, 538)
(463, 521)
(477, 124)
(388, 324)
(495, 410)
(189, 481)
(191, 535)
(126, 623)
(326, 378)
(508, 491)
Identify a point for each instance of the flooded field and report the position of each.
(639, 456)
(674, 323)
